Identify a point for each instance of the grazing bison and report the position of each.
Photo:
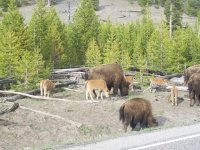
(99, 85)
(194, 89)
(189, 71)
(137, 110)
(112, 74)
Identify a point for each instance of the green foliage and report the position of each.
(111, 50)
(9, 54)
(85, 26)
(144, 2)
(93, 54)
(4, 4)
(158, 47)
(95, 4)
(54, 40)
(192, 7)
(104, 32)
(30, 68)
(177, 9)
(17, 58)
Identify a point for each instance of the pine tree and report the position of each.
(54, 39)
(14, 22)
(95, 4)
(12, 39)
(176, 57)
(192, 7)
(111, 50)
(104, 32)
(37, 30)
(70, 55)
(93, 55)
(125, 60)
(158, 47)
(29, 67)
(177, 9)
(10, 52)
(85, 26)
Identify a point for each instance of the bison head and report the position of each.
(152, 122)
(124, 87)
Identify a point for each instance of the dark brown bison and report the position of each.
(189, 71)
(112, 74)
(137, 110)
(194, 89)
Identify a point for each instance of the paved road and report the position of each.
(177, 138)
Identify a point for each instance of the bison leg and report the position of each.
(126, 121)
(90, 93)
(197, 99)
(133, 124)
(94, 93)
(192, 98)
(115, 89)
(125, 126)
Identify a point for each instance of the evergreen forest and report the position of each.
(29, 52)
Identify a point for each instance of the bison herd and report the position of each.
(105, 78)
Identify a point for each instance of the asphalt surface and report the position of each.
(177, 138)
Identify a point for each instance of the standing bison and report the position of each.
(112, 74)
(194, 89)
(137, 110)
(189, 71)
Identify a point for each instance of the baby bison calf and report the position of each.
(100, 85)
(46, 86)
(137, 110)
(174, 96)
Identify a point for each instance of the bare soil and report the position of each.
(24, 129)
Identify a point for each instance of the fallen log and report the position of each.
(70, 70)
(180, 88)
(42, 98)
(172, 76)
(77, 124)
(33, 92)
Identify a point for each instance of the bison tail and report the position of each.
(121, 113)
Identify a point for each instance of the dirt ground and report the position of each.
(25, 129)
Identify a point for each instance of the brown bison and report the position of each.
(137, 110)
(173, 98)
(99, 85)
(194, 89)
(189, 71)
(112, 74)
(46, 86)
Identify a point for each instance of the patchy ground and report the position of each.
(24, 129)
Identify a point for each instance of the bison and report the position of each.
(173, 98)
(194, 89)
(46, 86)
(189, 71)
(99, 85)
(137, 110)
(112, 74)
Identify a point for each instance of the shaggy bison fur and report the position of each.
(194, 89)
(189, 71)
(112, 74)
(137, 110)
